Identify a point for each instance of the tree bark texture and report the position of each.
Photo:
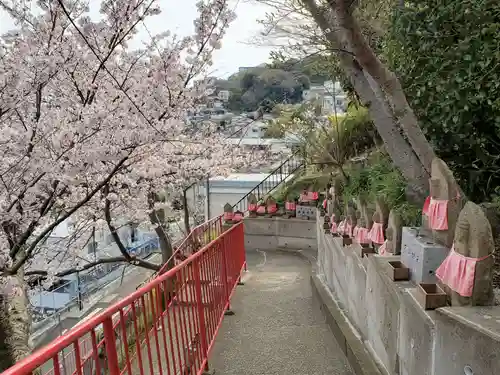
(157, 217)
(15, 324)
(350, 36)
(403, 154)
(186, 211)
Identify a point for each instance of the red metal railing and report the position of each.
(196, 239)
(166, 327)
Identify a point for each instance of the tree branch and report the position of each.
(133, 261)
(112, 228)
(29, 251)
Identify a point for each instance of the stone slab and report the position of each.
(348, 338)
(277, 232)
(416, 337)
(421, 255)
(400, 337)
(467, 337)
(382, 304)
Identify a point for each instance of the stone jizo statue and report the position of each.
(228, 213)
(394, 233)
(377, 231)
(366, 212)
(445, 203)
(252, 205)
(351, 220)
(362, 236)
(467, 272)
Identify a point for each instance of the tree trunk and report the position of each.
(157, 217)
(344, 174)
(350, 36)
(396, 146)
(15, 323)
(186, 211)
(402, 153)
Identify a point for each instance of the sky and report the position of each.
(178, 15)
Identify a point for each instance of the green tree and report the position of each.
(447, 57)
(264, 86)
(329, 143)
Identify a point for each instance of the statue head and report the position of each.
(389, 234)
(252, 199)
(435, 188)
(362, 222)
(394, 231)
(443, 186)
(473, 236)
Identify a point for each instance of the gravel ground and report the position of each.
(276, 329)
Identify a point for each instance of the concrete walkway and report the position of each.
(276, 329)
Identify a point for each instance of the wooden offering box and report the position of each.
(431, 296)
(365, 250)
(346, 241)
(399, 271)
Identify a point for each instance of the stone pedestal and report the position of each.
(421, 255)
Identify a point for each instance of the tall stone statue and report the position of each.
(335, 221)
(394, 233)
(252, 205)
(467, 272)
(361, 235)
(228, 213)
(366, 212)
(351, 220)
(445, 203)
(376, 234)
(383, 211)
(333, 197)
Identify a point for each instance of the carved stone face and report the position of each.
(389, 234)
(435, 187)
(462, 236)
(362, 222)
(252, 199)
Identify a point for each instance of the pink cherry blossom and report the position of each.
(87, 122)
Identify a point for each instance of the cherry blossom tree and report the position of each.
(92, 129)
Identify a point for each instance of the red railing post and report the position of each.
(72, 354)
(110, 343)
(239, 248)
(225, 275)
(201, 308)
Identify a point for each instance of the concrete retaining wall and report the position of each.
(383, 329)
(278, 233)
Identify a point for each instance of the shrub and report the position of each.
(379, 178)
(446, 55)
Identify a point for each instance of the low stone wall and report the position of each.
(382, 328)
(264, 233)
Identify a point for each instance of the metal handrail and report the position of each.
(286, 169)
(292, 167)
(133, 308)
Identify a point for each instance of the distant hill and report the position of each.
(263, 86)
